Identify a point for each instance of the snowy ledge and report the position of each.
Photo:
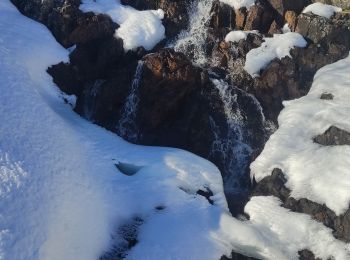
(278, 46)
(237, 4)
(137, 28)
(322, 9)
(318, 173)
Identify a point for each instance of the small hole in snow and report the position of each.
(127, 168)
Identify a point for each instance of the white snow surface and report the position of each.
(278, 46)
(236, 4)
(321, 9)
(236, 36)
(137, 28)
(318, 173)
(61, 196)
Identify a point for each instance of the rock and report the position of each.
(307, 255)
(241, 17)
(291, 18)
(333, 136)
(272, 185)
(260, 17)
(274, 28)
(327, 96)
(237, 256)
(222, 16)
(282, 6)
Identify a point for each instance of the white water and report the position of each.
(192, 42)
(90, 106)
(231, 145)
(127, 126)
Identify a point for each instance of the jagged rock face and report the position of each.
(176, 13)
(282, 6)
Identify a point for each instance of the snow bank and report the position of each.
(322, 9)
(276, 47)
(137, 28)
(61, 196)
(236, 36)
(318, 173)
(236, 4)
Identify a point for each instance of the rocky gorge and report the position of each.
(191, 90)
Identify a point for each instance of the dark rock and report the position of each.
(241, 17)
(307, 255)
(327, 96)
(274, 28)
(333, 136)
(222, 16)
(282, 6)
(272, 185)
(260, 17)
(237, 256)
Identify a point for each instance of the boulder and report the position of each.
(282, 6)
(333, 136)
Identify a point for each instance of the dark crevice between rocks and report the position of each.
(306, 254)
(125, 240)
(333, 136)
(237, 256)
(275, 185)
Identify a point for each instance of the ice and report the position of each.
(137, 28)
(322, 9)
(276, 47)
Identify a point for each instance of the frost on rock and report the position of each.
(236, 36)
(278, 46)
(322, 9)
(137, 28)
(315, 172)
(236, 4)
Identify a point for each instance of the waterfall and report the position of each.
(90, 100)
(127, 126)
(230, 144)
(193, 41)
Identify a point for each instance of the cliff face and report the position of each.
(192, 90)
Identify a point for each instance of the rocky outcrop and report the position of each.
(333, 136)
(274, 185)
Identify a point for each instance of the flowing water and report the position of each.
(127, 126)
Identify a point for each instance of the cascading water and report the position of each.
(90, 105)
(231, 145)
(127, 126)
(192, 42)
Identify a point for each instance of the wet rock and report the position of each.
(282, 6)
(222, 16)
(333, 136)
(241, 17)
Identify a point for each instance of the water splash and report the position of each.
(127, 126)
(193, 41)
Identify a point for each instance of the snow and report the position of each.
(278, 46)
(322, 9)
(137, 28)
(236, 36)
(236, 4)
(61, 196)
(318, 173)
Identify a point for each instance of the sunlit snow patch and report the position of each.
(236, 36)
(236, 4)
(322, 9)
(137, 28)
(276, 47)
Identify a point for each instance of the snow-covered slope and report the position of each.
(61, 195)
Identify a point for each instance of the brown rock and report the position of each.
(241, 17)
(259, 18)
(291, 19)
